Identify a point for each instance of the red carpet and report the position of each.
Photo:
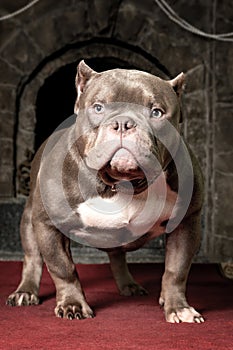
(120, 322)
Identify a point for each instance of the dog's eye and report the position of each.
(98, 108)
(156, 113)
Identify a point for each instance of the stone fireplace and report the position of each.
(39, 54)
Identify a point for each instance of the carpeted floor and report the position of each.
(121, 322)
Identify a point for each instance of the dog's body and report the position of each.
(121, 156)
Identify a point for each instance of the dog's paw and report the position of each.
(133, 289)
(73, 311)
(185, 314)
(22, 299)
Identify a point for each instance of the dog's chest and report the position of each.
(139, 214)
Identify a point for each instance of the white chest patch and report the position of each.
(138, 214)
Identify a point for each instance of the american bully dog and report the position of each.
(117, 177)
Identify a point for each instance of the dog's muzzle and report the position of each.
(124, 155)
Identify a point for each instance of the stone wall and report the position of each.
(51, 34)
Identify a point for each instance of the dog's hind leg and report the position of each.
(27, 291)
(124, 280)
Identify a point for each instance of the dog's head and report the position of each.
(126, 121)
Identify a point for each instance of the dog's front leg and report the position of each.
(55, 249)
(181, 246)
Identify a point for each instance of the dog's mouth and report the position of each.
(123, 183)
(123, 173)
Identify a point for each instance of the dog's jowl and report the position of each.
(116, 178)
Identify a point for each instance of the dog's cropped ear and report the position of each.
(84, 73)
(178, 83)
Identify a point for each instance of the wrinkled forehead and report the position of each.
(129, 86)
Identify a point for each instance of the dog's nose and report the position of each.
(123, 125)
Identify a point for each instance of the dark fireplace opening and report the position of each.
(56, 98)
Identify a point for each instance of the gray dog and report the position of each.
(115, 179)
